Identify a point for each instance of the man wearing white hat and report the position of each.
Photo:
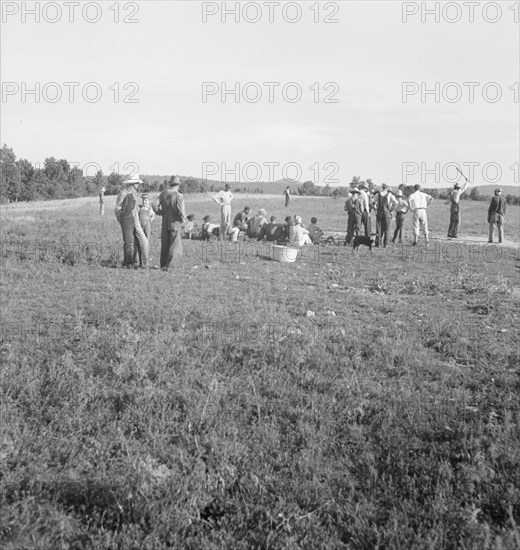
(170, 205)
(127, 214)
(102, 201)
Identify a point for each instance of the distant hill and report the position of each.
(490, 190)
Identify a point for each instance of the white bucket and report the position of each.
(284, 254)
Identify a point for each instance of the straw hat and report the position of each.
(134, 180)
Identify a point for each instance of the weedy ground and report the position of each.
(347, 400)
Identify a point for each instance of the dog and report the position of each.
(362, 240)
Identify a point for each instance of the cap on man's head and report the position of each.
(227, 187)
(498, 191)
(297, 219)
(262, 212)
(205, 219)
(175, 181)
(247, 209)
(103, 189)
(363, 185)
(134, 180)
(399, 193)
(384, 186)
(417, 187)
(314, 220)
(354, 190)
(456, 186)
(145, 196)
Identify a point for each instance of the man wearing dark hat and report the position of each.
(354, 209)
(385, 205)
(453, 201)
(127, 214)
(170, 205)
(496, 214)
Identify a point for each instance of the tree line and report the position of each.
(58, 179)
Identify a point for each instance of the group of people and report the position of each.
(361, 202)
(257, 227)
(135, 219)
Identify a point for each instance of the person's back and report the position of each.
(255, 226)
(498, 205)
(171, 207)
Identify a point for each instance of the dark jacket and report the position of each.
(497, 206)
(170, 205)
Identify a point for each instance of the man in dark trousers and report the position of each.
(287, 195)
(385, 204)
(454, 202)
(170, 205)
(496, 214)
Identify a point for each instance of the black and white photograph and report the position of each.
(259, 275)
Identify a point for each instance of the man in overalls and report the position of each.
(385, 204)
(127, 215)
(454, 202)
(170, 205)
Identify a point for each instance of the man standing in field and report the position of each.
(353, 206)
(496, 214)
(365, 208)
(127, 214)
(224, 198)
(385, 205)
(170, 205)
(419, 202)
(400, 213)
(287, 195)
(453, 201)
(102, 201)
(146, 216)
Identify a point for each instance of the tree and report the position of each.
(10, 178)
(114, 183)
(475, 194)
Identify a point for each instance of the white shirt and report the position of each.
(418, 199)
(363, 195)
(224, 198)
(456, 193)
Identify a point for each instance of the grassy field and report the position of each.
(343, 401)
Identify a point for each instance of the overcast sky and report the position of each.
(361, 61)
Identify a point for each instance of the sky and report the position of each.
(346, 96)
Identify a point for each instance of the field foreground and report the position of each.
(343, 401)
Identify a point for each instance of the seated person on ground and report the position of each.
(189, 226)
(255, 226)
(209, 229)
(315, 233)
(299, 236)
(241, 219)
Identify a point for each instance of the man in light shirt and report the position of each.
(224, 198)
(453, 201)
(400, 212)
(419, 202)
